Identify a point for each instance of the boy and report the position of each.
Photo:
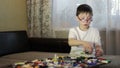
(84, 38)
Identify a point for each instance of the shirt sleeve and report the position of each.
(72, 33)
(98, 38)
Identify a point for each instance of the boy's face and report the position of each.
(84, 19)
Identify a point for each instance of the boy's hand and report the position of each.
(99, 51)
(88, 47)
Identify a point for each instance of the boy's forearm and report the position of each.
(75, 42)
(99, 47)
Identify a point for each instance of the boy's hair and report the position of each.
(84, 8)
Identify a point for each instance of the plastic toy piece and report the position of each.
(63, 62)
(105, 61)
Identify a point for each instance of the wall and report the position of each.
(13, 15)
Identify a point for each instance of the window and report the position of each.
(105, 13)
(64, 13)
(115, 7)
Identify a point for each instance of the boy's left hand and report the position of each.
(99, 52)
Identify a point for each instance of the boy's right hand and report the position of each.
(88, 47)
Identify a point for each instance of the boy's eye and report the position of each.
(85, 19)
(82, 18)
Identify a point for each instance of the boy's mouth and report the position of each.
(85, 24)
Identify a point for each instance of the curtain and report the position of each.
(106, 17)
(39, 18)
(113, 27)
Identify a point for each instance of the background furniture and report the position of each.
(18, 41)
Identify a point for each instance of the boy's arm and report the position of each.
(87, 46)
(99, 50)
(73, 42)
